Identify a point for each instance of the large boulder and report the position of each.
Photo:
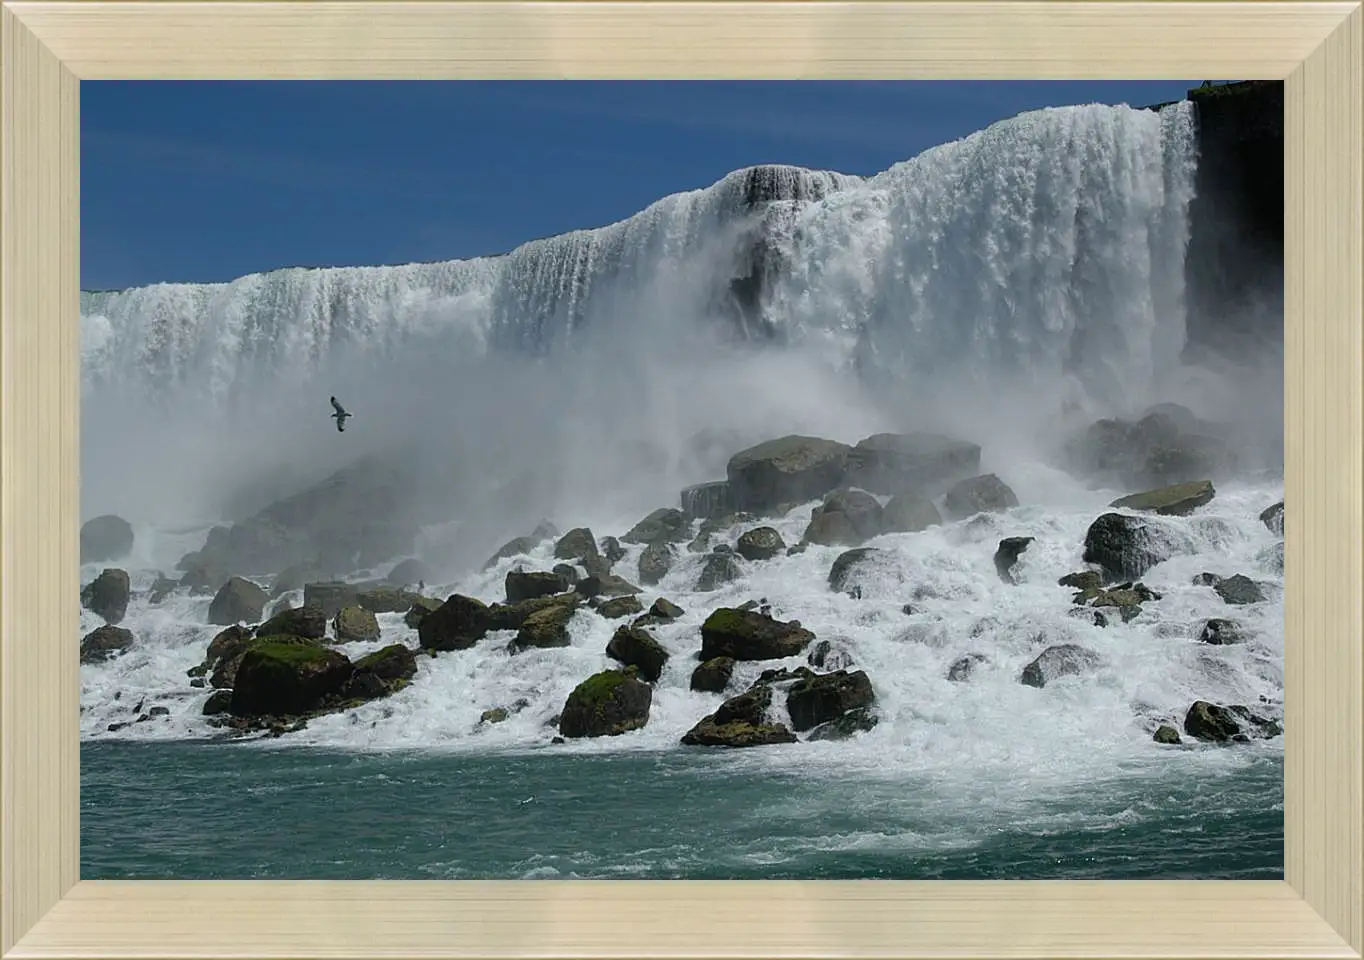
(107, 595)
(983, 494)
(760, 543)
(635, 647)
(419, 609)
(618, 607)
(827, 696)
(239, 601)
(664, 525)
(548, 626)
(330, 596)
(740, 722)
(356, 625)
(105, 643)
(309, 623)
(527, 585)
(746, 635)
(713, 675)
(577, 544)
(891, 463)
(792, 469)
(1213, 723)
(606, 704)
(1178, 500)
(909, 512)
(858, 518)
(1168, 445)
(1239, 590)
(655, 561)
(1010, 549)
(386, 599)
(105, 538)
(1062, 660)
(282, 676)
(704, 501)
(457, 624)
(515, 547)
(844, 569)
(1123, 546)
(1272, 518)
(381, 673)
(719, 568)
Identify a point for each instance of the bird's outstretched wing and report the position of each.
(337, 407)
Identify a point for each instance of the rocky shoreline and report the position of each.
(274, 666)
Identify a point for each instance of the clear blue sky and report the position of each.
(197, 181)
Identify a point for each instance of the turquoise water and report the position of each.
(236, 811)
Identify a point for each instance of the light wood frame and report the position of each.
(47, 47)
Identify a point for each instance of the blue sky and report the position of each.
(200, 181)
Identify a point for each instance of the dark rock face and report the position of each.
(1212, 723)
(1166, 734)
(635, 647)
(107, 595)
(760, 543)
(105, 643)
(825, 656)
(1239, 590)
(704, 501)
(1272, 518)
(1062, 660)
(983, 494)
(239, 601)
(548, 626)
(745, 635)
(792, 469)
(1010, 549)
(577, 544)
(310, 623)
(1122, 546)
(664, 609)
(105, 538)
(861, 720)
(740, 722)
(457, 624)
(381, 673)
(845, 517)
(909, 513)
(1178, 500)
(664, 525)
(826, 697)
(713, 675)
(893, 463)
(606, 704)
(527, 585)
(286, 677)
(1220, 632)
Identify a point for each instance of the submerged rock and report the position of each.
(861, 720)
(963, 667)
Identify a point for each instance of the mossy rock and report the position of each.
(511, 616)
(381, 673)
(1083, 580)
(356, 625)
(635, 647)
(104, 643)
(740, 722)
(494, 715)
(309, 622)
(1233, 723)
(823, 698)
(1166, 734)
(609, 703)
(1176, 500)
(421, 606)
(618, 607)
(760, 543)
(387, 599)
(532, 584)
(713, 675)
(745, 635)
(287, 676)
(546, 628)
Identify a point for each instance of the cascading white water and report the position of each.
(1044, 254)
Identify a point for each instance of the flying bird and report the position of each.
(340, 416)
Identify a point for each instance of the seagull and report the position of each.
(340, 416)
(522, 803)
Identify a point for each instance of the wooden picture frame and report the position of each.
(1316, 48)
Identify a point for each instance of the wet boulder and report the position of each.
(386, 599)
(282, 676)
(713, 675)
(655, 561)
(788, 470)
(307, 622)
(606, 704)
(664, 525)
(1123, 546)
(740, 722)
(107, 595)
(1178, 500)
(104, 643)
(846, 517)
(719, 568)
(408, 572)
(843, 572)
(745, 635)
(703, 501)
(845, 726)
(891, 463)
(577, 544)
(1272, 518)
(355, 625)
(419, 609)
(611, 550)
(1220, 632)
(528, 585)
(547, 627)
(635, 647)
(1062, 660)
(1010, 549)
(825, 656)
(1213, 723)
(239, 601)
(515, 547)
(826, 697)
(963, 668)
(381, 673)
(105, 538)
(909, 513)
(457, 624)
(1239, 590)
(760, 543)
(618, 607)
(983, 494)
(224, 655)
(1167, 735)
(330, 596)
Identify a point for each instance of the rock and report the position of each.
(528, 585)
(891, 463)
(495, 715)
(238, 601)
(381, 673)
(1122, 546)
(608, 585)
(1088, 615)
(1179, 500)
(386, 600)
(608, 704)
(740, 722)
(664, 525)
(846, 517)
(1206, 580)
(408, 572)
(655, 562)
(1186, 459)
(1127, 598)
(861, 720)
(665, 609)
(107, 595)
(1085, 580)
(218, 702)
(1218, 724)
(330, 596)
(1270, 559)
(1010, 549)
(162, 588)
(1239, 590)
(516, 547)
(983, 494)
(909, 513)
(792, 469)
(577, 544)
(841, 573)
(104, 643)
(105, 538)
(760, 543)
(1220, 632)
(961, 669)
(634, 647)
(831, 529)
(307, 622)
(547, 627)
(457, 624)
(356, 625)
(703, 501)
(1166, 734)
(224, 654)
(611, 550)
(619, 607)
(202, 576)
(718, 569)
(283, 677)
(713, 675)
(825, 656)
(568, 572)
(419, 609)
(826, 697)
(1272, 518)
(1062, 660)
(745, 635)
